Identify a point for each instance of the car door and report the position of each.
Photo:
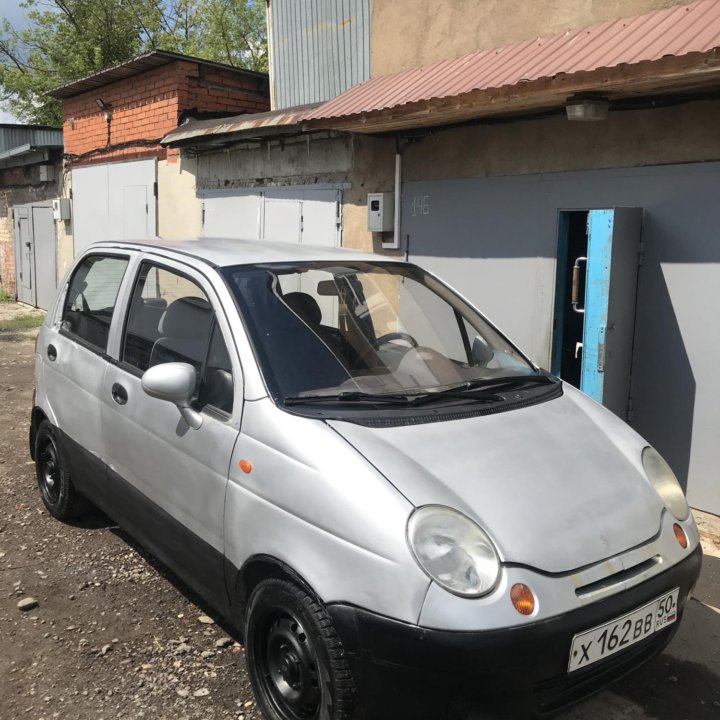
(73, 361)
(168, 480)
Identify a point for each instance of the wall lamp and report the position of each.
(587, 108)
(105, 106)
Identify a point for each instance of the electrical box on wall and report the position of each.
(46, 173)
(381, 207)
(61, 208)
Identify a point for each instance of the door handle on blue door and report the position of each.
(119, 394)
(51, 352)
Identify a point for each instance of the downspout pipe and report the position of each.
(398, 198)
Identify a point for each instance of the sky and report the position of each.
(11, 10)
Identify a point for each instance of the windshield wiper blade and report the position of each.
(349, 396)
(482, 387)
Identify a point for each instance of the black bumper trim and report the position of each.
(403, 670)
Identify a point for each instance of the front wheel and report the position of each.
(53, 478)
(295, 658)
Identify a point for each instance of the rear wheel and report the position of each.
(295, 659)
(56, 488)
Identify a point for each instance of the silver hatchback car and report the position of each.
(399, 512)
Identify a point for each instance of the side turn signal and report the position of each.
(680, 536)
(522, 598)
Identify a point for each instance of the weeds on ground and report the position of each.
(27, 321)
(5, 296)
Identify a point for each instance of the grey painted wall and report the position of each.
(495, 240)
(319, 48)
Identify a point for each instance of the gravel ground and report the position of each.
(116, 635)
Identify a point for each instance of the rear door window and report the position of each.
(90, 299)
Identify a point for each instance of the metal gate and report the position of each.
(35, 254)
(114, 201)
(295, 214)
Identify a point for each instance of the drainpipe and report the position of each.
(398, 190)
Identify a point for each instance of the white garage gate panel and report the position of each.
(114, 201)
(295, 214)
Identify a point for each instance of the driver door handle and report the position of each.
(51, 353)
(119, 394)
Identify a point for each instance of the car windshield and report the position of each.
(360, 329)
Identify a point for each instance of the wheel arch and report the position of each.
(254, 570)
(37, 416)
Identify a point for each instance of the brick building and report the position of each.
(122, 182)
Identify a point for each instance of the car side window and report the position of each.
(170, 319)
(90, 299)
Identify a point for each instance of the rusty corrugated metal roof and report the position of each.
(675, 31)
(265, 123)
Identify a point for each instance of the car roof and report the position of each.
(224, 252)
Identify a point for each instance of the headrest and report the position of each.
(186, 317)
(305, 307)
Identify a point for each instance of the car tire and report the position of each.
(295, 659)
(53, 478)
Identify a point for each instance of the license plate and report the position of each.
(601, 642)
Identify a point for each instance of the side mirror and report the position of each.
(481, 352)
(174, 382)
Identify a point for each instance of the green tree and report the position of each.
(68, 39)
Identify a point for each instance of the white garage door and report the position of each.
(113, 201)
(301, 215)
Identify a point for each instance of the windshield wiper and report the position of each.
(472, 388)
(349, 396)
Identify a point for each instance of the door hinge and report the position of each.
(641, 255)
(630, 410)
(155, 189)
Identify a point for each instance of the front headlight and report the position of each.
(453, 551)
(665, 483)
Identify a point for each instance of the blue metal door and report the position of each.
(609, 310)
(597, 287)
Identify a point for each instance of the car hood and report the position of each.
(558, 485)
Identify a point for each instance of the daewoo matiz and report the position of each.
(401, 514)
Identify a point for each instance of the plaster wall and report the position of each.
(373, 170)
(179, 208)
(412, 33)
(684, 133)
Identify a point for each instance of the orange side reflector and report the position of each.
(680, 535)
(522, 599)
(245, 466)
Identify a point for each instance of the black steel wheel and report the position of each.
(53, 479)
(295, 658)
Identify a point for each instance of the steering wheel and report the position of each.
(389, 337)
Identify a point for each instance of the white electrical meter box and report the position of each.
(61, 208)
(381, 211)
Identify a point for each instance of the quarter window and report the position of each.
(171, 320)
(90, 300)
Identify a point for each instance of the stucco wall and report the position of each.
(373, 170)
(179, 208)
(411, 33)
(684, 133)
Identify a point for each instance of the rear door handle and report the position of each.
(51, 353)
(119, 394)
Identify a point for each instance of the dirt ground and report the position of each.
(115, 635)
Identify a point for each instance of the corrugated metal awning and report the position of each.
(135, 66)
(238, 127)
(661, 51)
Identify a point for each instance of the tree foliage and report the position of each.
(68, 39)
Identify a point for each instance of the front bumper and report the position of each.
(406, 671)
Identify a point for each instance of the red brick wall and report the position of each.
(147, 106)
